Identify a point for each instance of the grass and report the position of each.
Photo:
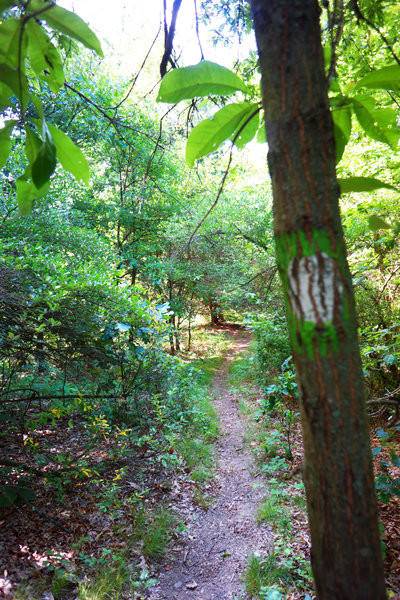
(283, 570)
(201, 474)
(269, 511)
(107, 584)
(154, 530)
(264, 572)
(106, 581)
(201, 498)
(195, 452)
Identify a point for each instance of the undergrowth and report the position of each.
(144, 443)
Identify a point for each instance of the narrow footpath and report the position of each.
(211, 559)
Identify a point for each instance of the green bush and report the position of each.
(272, 344)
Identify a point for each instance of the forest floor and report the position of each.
(211, 558)
(238, 533)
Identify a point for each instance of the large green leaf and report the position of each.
(5, 141)
(10, 31)
(8, 496)
(198, 80)
(247, 127)
(341, 115)
(69, 23)
(5, 4)
(70, 156)
(208, 135)
(261, 133)
(378, 124)
(45, 59)
(33, 143)
(387, 78)
(9, 77)
(27, 193)
(46, 160)
(376, 223)
(362, 184)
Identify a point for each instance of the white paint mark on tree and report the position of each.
(314, 287)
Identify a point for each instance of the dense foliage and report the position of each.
(110, 258)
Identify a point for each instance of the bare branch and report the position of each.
(169, 36)
(361, 16)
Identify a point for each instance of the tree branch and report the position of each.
(169, 36)
(360, 15)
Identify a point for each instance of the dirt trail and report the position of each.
(212, 558)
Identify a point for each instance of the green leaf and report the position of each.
(5, 4)
(8, 496)
(362, 184)
(45, 59)
(33, 144)
(5, 141)
(376, 223)
(10, 31)
(203, 79)
(26, 493)
(70, 156)
(9, 77)
(27, 193)
(378, 124)
(39, 106)
(387, 78)
(390, 359)
(69, 23)
(46, 160)
(208, 135)
(341, 115)
(261, 133)
(273, 595)
(249, 129)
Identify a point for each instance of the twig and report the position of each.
(197, 29)
(63, 397)
(135, 78)
(221, 187)
(114, 122)
(213, 205)
(6, 462)
(251, 239)
(387, 280)
(361, 16)
(48, 517)
(150, 161)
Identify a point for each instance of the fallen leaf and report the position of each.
(191, 586)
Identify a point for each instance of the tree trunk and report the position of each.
(216, 316)
(311, 255)
(171, 335)
(189, 340)
(177, 334)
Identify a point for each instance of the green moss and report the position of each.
(306, 336)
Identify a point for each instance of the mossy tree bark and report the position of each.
(346, 555)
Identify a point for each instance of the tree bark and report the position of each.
(216, 316)
(311, 256)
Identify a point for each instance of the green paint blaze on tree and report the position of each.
(307, 335)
